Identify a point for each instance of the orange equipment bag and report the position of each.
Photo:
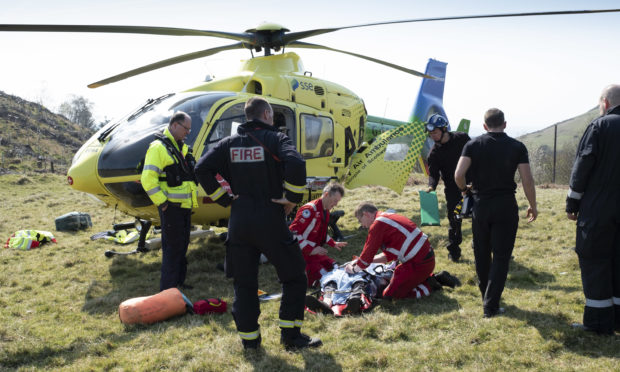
(152, 309)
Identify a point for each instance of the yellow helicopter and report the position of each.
(327, 122)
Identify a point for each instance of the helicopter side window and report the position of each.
(318, 136)
(284, 120)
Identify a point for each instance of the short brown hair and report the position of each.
(494, 118)
(334, 187)
(255, 107)
(365, 207)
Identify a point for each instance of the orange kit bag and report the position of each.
(152, 309)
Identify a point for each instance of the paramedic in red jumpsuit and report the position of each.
(399, 239)
(310, 230)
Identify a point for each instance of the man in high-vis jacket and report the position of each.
(594, 202)
(168, 179)
(400, 240)
(267, 177)
(310, 230)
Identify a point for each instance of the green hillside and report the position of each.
(31, 136)
(569, 132)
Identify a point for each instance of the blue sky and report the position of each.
(539, 70)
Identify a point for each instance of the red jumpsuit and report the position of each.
(310, 229)
(400, 239)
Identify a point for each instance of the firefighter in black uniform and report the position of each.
(442, 161)
(261, 165)
(492, 159)
(594, 201)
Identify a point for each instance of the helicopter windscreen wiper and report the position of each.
(149, 103)
(107, 132)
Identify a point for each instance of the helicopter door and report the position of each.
(226, 125)
(317, 145)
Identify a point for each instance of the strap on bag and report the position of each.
(264, 147)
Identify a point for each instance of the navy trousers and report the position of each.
(175, 228)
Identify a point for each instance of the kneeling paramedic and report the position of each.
(400, 239)
(168, 179)
(261, 165)
(310, 229)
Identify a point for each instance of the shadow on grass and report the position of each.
(49, 356)
(132, 276)
(438, 302)
(521, 276)
(314, 359)
(557, 330)
(106, 343)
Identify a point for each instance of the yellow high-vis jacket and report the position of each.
(159, 165)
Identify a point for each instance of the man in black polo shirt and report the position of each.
(492, 160)
(442, 161)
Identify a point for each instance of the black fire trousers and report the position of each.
(175, 228)
(494, 225)
(598, 249)
(257, 227)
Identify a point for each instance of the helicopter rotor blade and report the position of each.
(146, 30)
(294, 36)
(301, 44)
(166, 62)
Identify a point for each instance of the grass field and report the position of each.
(59, 303)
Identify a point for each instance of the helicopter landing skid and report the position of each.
(145, 226)
(112, 253)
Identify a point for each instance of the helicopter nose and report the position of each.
(82, 174)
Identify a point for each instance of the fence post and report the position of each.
(555, 142)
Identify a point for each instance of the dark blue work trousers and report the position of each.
(175, 228)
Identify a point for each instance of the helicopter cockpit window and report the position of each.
(129, 141)
(318, 136)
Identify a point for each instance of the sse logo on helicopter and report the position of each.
(303, 84)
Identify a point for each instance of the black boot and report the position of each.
(447, 279)
(251, 344)
(433, 283)
(293, 339)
